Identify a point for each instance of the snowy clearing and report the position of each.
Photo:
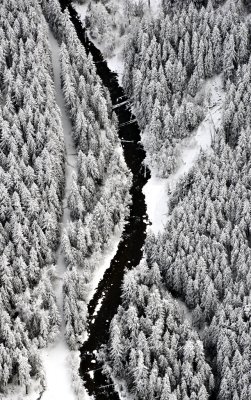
(158, 190)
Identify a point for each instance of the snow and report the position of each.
(185, 312)
(81, 10)
(71, 156)
(157, 190)
(116, 63)
(91, 373)
(98, 306)
(58, 374)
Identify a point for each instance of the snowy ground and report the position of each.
(157, 191)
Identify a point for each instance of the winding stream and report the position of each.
(130, 249)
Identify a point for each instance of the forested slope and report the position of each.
(32, 184)
(203, 256)
(32, 163)
(151, 347)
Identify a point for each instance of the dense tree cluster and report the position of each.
(167, 60)
(152, 347)
(237, 111)
(205, 256)
(31, 189)
(170, 5)
(100, 188)
(109, 20)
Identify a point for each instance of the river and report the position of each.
(130, 249)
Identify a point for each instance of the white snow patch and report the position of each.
(185, 312)
(58, 374)
(91, 373)
(98, 306)
(157, 191)
(81, 10)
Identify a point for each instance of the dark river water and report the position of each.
(129, 251)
